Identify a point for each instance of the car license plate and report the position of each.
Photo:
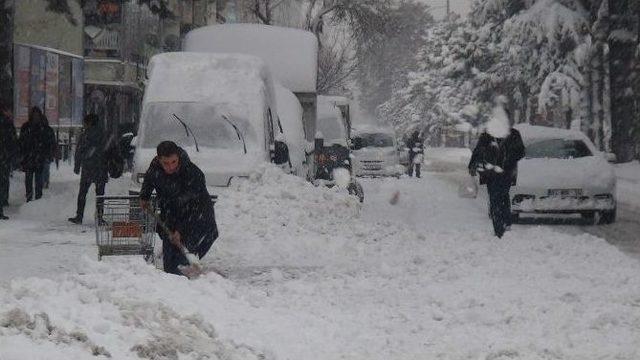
(565, 192)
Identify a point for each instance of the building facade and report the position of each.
(47, 63)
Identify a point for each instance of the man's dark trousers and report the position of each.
(4, 187)
(29, 176)
(499, 203)
(85, 183)
(411, 167)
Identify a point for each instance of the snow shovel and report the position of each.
(194, 269)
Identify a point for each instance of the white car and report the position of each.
(563, 172)
(375, 153)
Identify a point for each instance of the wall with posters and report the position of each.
(51, 80)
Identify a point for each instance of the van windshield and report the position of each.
(210, 127)
(375, 140)
(332, 128)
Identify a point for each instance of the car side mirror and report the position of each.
(280, 153)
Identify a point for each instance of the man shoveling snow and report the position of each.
(186, 210)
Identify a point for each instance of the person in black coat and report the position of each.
(46, 167)
(185, 205)
(90, 159)
(35, 147)
(496, 160)
(8, 153)
(416, 151)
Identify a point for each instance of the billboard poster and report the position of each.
(65, 99)
(51, 88)
(78, 92)
(22, 60)
(38, 67)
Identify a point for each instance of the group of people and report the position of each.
(179, 185)
(32, 152)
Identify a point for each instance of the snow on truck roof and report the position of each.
(236, 81)
(290, 54)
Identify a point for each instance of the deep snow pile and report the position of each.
(313, 276)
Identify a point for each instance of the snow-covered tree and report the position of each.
(386, 57)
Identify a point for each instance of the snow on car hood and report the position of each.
(590, 171)
(218, 165)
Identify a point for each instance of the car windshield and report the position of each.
(211, 129)
(375, 140)
(557, 149)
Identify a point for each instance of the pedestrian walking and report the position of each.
(416, 153)
(495, 158)
(185, 205)
(35, 148)
(90, 159)
(46, 167)
(8, 154)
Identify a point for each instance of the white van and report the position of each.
(218, 107)
(375, 152)
(291, 56)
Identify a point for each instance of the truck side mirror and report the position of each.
(356, 143)
(280, 153)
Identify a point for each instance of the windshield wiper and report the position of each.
(188, 130)
(240, 137)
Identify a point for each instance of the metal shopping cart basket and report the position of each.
(123, 227)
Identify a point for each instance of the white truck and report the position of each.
(219, 107)
(292, 57)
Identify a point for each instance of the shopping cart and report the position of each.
(124, 228)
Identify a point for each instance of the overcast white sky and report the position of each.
(458, 6)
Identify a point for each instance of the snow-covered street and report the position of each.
(313, 275)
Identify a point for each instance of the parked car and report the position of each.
(563, 172)
(218, 107)
(375, 152)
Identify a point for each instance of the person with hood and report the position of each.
(416, 151)
(8, 153)
(35, 147)
(90, 159)
(185, 205)
(46, 168)
(495, 158)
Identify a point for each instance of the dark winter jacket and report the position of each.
(184, 201)
(415, 146)
(501, 152)
(90, 155)
(51, 135)
(35, 144)
(8, 144)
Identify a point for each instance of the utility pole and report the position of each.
(448, 11)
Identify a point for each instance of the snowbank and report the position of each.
(311, 275)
